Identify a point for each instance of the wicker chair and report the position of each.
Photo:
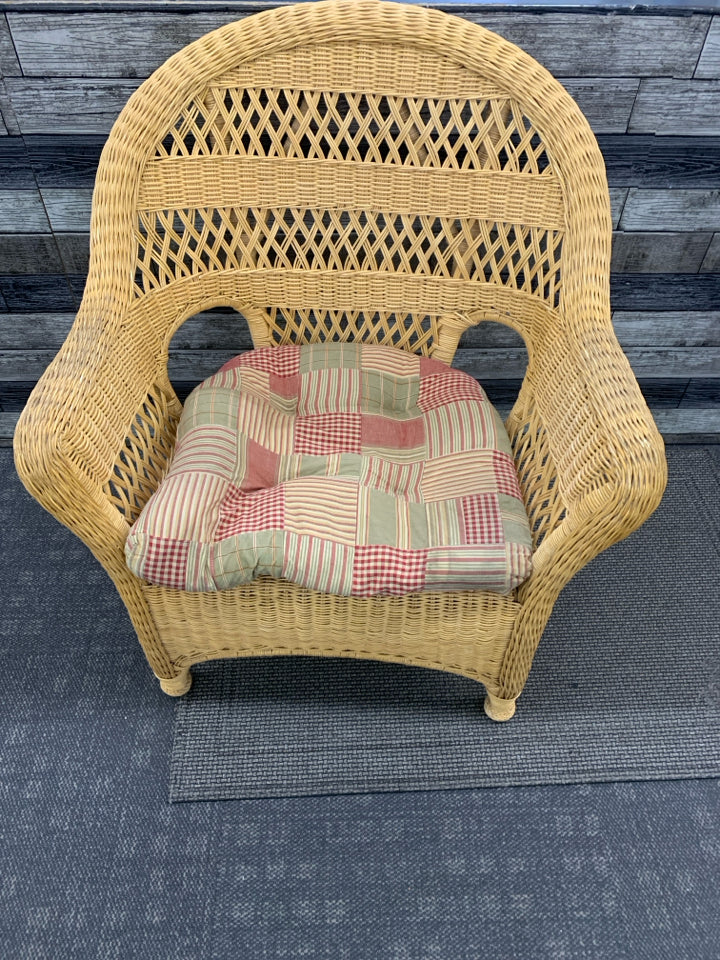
(349, 170)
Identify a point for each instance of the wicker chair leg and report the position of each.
(498, 709)
(178, 685)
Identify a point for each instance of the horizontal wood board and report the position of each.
(568, 44)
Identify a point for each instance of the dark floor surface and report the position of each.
(95, 863)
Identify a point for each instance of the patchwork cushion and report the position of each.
(348, 468)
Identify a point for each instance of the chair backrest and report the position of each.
(351, 170)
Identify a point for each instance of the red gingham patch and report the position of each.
(285, 385)
(505, 475)
(166, 562)
(284, 361)
(382, 569)
(261, 468)
(240, 513)
(430, 367)
(481, 519)
(388, 433)
(328, 433)
(448, 386)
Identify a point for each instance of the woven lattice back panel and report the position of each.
(367, 166)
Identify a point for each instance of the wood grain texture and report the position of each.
(7, 111)
(15, 170)
(671, 210)
(677, 107)
(22, 253)
(671, 328)
(659, 252)
(654, 292)
(68, 106)
(68, 210)
(38, 294)
(225, 330)
(196, 365)
(74, 251)
(91, 106)
(23, 212)
(711, 263)
(9, 65)
(642, 160)
(708, 67)
(70, 161)
(568, 44)
(689, 425)
(64, 162)
(701, 393)
(34, 331)
(618, 196)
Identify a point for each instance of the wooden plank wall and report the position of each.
(648, 82)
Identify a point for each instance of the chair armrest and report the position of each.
(80, 422)
(582, 420)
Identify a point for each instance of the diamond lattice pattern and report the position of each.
(460, 134)
(177, 244)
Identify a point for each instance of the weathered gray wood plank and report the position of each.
(195, 365)
(606, 102)
(74, 251)
(708, 67)
(659, 252)
(133, 45)
(23, 212)
(34, 331)
(667, 329)
(23, 253)
(68, 210)
(689, 425)
(711, 263)
(7, 113)
(68, 106)
(229, 331)
(618, 196)
(3, 128)
(8, 422)
(91, 106)
(677, 107)
(670, 210)
(9, 65)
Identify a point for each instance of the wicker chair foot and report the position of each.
(178, 685)
(498, 709)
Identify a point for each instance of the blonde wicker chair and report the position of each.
(349, 170)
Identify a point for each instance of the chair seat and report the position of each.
(351, 469)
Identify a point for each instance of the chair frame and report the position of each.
(97, 434)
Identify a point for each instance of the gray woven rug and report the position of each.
(625, 686)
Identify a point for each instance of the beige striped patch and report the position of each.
(458, 475)
(188, 508)
(322, 507)
(398, 362)
(336, 390)
(266, 425)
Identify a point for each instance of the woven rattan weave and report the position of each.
(349, 170)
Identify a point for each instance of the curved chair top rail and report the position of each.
(352, 168)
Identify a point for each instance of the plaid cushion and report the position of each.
(348, 468)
